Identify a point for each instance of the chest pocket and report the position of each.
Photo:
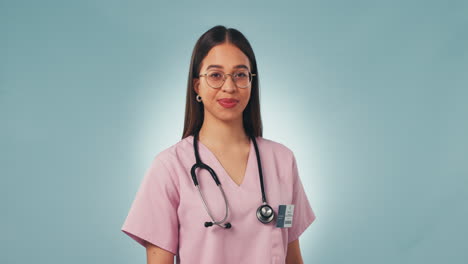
(277, 246)
(280, 194)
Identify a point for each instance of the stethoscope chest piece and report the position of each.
(265, 214)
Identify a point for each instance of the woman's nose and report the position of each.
(229, 84)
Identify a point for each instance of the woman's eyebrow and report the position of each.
(240, 66)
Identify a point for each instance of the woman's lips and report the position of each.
(228, 103)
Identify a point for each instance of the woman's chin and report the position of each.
(229, 117)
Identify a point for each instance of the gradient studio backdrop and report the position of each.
(370, 95)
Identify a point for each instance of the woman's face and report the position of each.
(224, 57)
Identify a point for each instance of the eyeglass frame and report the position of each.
(224, 79)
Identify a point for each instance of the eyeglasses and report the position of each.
(215, 79)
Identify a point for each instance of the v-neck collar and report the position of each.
(217, 163)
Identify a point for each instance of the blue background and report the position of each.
(370, 95)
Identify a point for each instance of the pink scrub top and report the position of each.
(169, 213)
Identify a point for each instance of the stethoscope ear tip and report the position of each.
(227, 225)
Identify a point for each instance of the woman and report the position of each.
(179, 209)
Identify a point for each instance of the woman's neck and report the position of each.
(219, 134)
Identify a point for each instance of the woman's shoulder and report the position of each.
(176, 151)
(275, 146)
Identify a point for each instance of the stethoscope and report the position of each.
(265, 213)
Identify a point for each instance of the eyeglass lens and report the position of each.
(241, 78)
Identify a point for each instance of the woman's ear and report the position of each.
(196, 82)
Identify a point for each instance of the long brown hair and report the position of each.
(194, 111)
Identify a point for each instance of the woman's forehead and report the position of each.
(225, 57)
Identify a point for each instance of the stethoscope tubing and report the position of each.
(199, 164)
(209, 213)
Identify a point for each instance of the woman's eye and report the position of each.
(215, 75)
(241, 74)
